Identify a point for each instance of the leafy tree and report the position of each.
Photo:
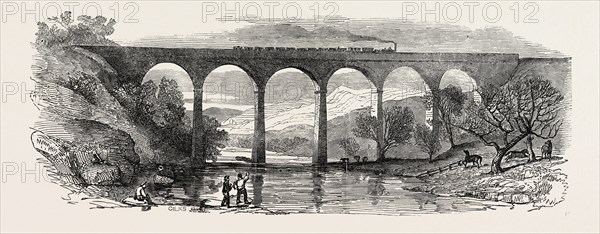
(427, 140)
(451, 103)
(84, 85)
(523, 107)
(397, 128)
(147, 103)
(171, 108)
(162, 109)
(64, 31)
(285, 144)
(214, 137)
(350, 146)
(243, 141)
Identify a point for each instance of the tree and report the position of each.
(285, 144)
(63, 31)
(397, 128)
(523, 107)
(451, 103)
(147, 103)
(529, 143)
(162, 110)
(427, 140)
(214, 138)
(171, 108)
(350, 146)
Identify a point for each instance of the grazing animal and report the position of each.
(475, 159)
(357, 158)
(547, 150)
(365, 159)
(345, 161)
(524, 153)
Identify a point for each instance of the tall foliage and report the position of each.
(397, 129)
(427, 140)
(524, 107)
(64, 31)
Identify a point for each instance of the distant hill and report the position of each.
(221, 114)
(339, 102)
(303, 130)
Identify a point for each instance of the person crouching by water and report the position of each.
(141, 195)
(240, 185)
(225, 190)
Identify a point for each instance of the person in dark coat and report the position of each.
(240, 185)
(225, 190)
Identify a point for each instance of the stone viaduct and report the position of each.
(132, 63)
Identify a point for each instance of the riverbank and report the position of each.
(541, 183)
(414, 167)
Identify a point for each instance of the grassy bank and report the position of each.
(540, 183)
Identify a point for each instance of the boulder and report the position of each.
(491, 196)
(507, 198)
(101, 174)
(520, 198)
(53, 151)
(163, 180)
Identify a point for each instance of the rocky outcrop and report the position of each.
(101, 174)
(99, 156)
(54, 152)
(59, 75)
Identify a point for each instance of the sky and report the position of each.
(196, 24)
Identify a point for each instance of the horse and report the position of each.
(524, 153)
(475, 159)
(547, 150)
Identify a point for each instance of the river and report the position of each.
(303, 189)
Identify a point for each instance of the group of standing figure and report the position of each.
(239, 184)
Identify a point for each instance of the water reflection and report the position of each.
(318, 180)
(375, 189)
(257, 187)
(192, 186)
